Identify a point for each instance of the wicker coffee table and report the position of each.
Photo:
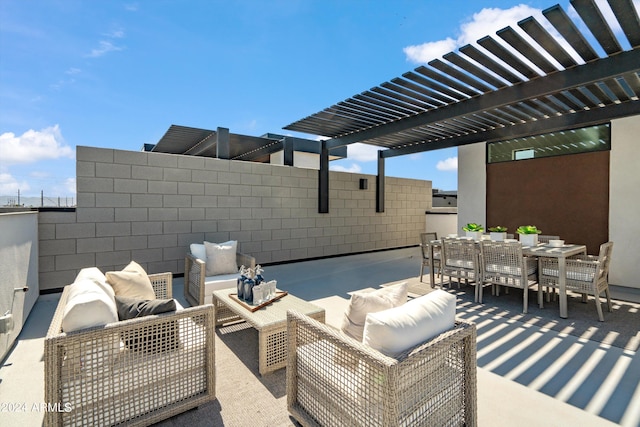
(269, 321)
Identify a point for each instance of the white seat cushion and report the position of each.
(215, 283)
(397, 329)
(582, 276)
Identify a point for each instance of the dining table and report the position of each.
(561, 253)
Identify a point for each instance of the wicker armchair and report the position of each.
(334, 380)
(585, 274)
(198, 289)
(98, 380)
(502, 263)
(434, 263)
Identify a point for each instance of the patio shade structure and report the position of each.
(222, 144)
(506, 87)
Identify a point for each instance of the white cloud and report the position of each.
(362, 152)
(105, 47)
(9, 185)
(425, 52)
(447, 165)
(354, 168)
(33, 146)
(485, 22)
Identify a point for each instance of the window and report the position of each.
(571, 141)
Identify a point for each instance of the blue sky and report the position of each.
(117, 74)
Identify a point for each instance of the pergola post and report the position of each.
(223, 150)
(380, 184)
(323, 179)
(287, 148)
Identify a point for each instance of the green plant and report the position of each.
(472, 226)
(498, 229)
(528, 229)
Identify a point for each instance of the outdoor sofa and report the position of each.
(135, 372)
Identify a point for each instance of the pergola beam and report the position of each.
(624, 63)
(578, 119)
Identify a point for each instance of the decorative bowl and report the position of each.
(556, 243)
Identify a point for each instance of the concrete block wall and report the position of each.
(150, 206)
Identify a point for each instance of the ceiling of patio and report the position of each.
(489, 92)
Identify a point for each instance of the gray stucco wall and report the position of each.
(149, 207)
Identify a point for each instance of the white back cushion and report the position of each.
(362, 303)
(87, 306)
(395, 330)
(95, 275)
(198, 251)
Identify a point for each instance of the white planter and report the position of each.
(529, 239)
(498, 236)
(475, 235)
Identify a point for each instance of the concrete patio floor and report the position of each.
(547, 398)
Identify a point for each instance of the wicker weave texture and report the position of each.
(195, 275)
(459, 259)
(502, 263)
(136, 372)
(585, 274)
(333, 380)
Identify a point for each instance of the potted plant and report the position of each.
(498, 233)
(473, 230)
(528, 235)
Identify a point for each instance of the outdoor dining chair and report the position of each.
(425, 239)
(585, 274)
(459, 259)
(503, 264)
(546, 238)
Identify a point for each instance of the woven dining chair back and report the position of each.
(459, 259)
(585, 274)
(425, 239)
(503, 264)
(546, 238)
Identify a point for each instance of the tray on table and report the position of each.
(252, 308)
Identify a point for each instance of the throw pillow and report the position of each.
(131, 282)
(130, 308)
(396, 330)
(362, 303)
(155, 338)
(221, 258)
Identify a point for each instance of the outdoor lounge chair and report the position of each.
(198, 287)
(335, 380)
